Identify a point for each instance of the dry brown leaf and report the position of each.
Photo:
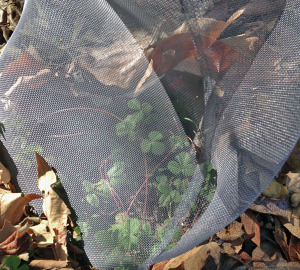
(259, 255)
(251, 226)
(6, 231)
(195, 258)
(275, 190)
(160, 265)
(227, 248)
(292, 224)
(281, 238)
(48, 264)
(232, 232)
(54, 207)
(12, 207)
(293, 182)
(268, 207)
(114, 65)
(41, 235)
(145, 76)
(17, 242)
(4, 174)
(237, 245)
(246, 257)
(294, 249)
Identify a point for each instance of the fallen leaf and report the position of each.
(293, 182)
(246, 257)
(54, 208)
(294, 249)
(17, 242)
(48, 264)
(116, 64)
(269, 207)
(195, 258)
(159, 266)
(4, 174)
(275, 190)
(12, 207)
(6, 231)
(251, 226)
(232, 232)
(292, 224)
(259, 255)
(281, 238)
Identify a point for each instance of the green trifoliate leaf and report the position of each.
(134, 104)
(155, 136)
(92, 199)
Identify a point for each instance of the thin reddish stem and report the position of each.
(147, 177)
(112, 190)
(163, 227)
(84, 109)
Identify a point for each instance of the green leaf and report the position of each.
(178, 142)
(12, 262)
(117, 169)
(146, 108)
(92, 199)
(184, 158)
(188, 170)
(158, 148)
(162, 178)
(146, 146)
(134, 225)
(174, 167)
(89, 187)
(23, 267)
(138, 116)
(155, 136)
(164, 188)
(134, 104)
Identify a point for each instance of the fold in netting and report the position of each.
(165, 120)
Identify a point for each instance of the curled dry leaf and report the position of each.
(232, 232)
(40, 234)
(251, 226)
(48, 264)
(195, 258)
(12, 207)
(6, 231)
(292, 224)
(114, 65)
(269, 207)
(54, 207)
(294, 249)
(275, 190)
(17, 242)
(281, 238)
(4, 174)
(293, 182)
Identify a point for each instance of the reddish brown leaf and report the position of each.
(232, 232)
(32, 196)
(246, 257)
(251, 226)
(281, 238)
(15, 244)
(294, 249)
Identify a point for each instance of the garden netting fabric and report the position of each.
(164, 119)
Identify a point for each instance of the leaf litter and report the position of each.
(265, 236)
